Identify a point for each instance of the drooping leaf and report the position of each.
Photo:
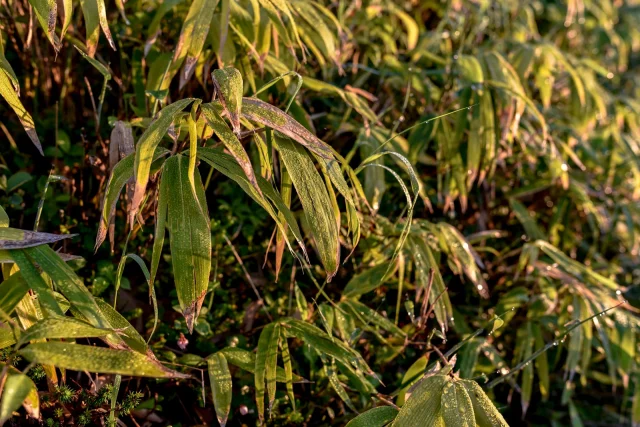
(18, 390)
(423, 406)
(228, 84)
(8, 92)
(485, 412)
(457, 409)
(246, 360)
(266, 364)
(230, 168)
(221, 392)
(315, 202)
(259, 111)
(192, 38)
(95, 17)
(120, 175)
(190, 237)
(47, 12)
(146, 149)
(230, 141)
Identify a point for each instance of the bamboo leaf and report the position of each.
(322, 342)
(18, 390)
(229, 88)
(457, 409)
(226, 165)
(413, 375)
(12, 290)
(266, 364)
(258, 111)
(230, 140)
(97, 359)
(376, 417)
(95, 17)
(221, 386)
(246, 360)
(190, 241)
(423, 407)
(485, 412)
(7, 91)
(68, 283)
(120, 175)
(13, 238)
(46, 12)
(146, 149)
(315, 201)
(31, 275)
(62, 327)
(288, 370)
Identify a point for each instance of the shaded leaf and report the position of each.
(221, 392)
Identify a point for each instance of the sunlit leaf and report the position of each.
(97, 359)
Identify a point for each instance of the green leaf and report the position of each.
(62, 327)
(259, 111)
(190, 237)
(229, 88)
(46, 11)
(315, 201)
(413, 375)
(118, 178)
(18, 390)
(323, 343)
(97, 359)
(369, 316)
(457, 409)
(527, 220)
(95, 17)
(288, 369)
(97, 65)
(331, 372)
(146, 149)
(13, 238)
(485, 412)
(68, 283)
(423, 405)
(12, 291)
(31, 275)
(226, 165)
(266, 364)
(221, 386)
(192, 38)
(127, 332)
(7, 91)
(376, 417)
(78, 357)
(246, 360)
(230, 141)
(367, 281)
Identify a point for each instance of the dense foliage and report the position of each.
(293, 212)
